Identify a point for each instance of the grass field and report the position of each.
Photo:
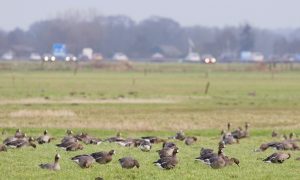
(148, 99)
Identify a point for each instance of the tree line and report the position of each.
(110, 34)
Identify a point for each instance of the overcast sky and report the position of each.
(273, 14)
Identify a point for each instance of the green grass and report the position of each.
(23, 163)
(148, 99)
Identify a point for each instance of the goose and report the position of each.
(231, 161)
(115, 138)
(99, 178)
(19, 134)
(54, 166)
(284, 145)
(19, 143)
(277, 157)
(240, 133)
(228, 138)
(166, 152)
(179, 136)
(275, 134)
(228, 127)
(14, 138)
(2, 147)
(292, 139)
(129, 163)
(168, 162)
(85, 138)
(103, 157)
(145, 145)
(46, 138)
(190, 140)
(69, 137)
(70, 146)
(84, 161)
(206, 154)
(216, 161)
(125, 142)
(168, 145)
(205, 151)
(154, 139)
(96, 141)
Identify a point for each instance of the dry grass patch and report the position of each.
(42, 113)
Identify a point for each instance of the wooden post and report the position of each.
(207, 88)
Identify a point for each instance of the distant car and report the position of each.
(49, 58)
(209, 59)
(70, 57)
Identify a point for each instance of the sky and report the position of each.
(270, 14)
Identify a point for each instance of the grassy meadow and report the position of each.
(148, 99)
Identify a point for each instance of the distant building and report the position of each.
(193, 57)
(251, 56)
(157, 56)
(97, 57)
(88, 53)
(35, 56)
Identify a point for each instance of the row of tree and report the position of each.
(111, 34)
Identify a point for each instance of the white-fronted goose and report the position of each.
(69, 137)
(190, 140)
(205, 151)
(154, 139)
(275, 134)
(168, 145)
(284, 145)
(228, 138)
(125, 142)
(129, 163)
(216, 161)
(231, 161)
(206, 154)
(84, 161)
(179, 136)
(240, 133)
(145, 145)
(85, 138)
(52, 166)
(165, 152)
(70, 146)
(168, 162)
(19, 134)
(46, 138)
(19, 143)
(14, 138)
(279, 157)
(2, 147)
(115, 138)
(103, 157)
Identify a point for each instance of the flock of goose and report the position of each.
(167, 154)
